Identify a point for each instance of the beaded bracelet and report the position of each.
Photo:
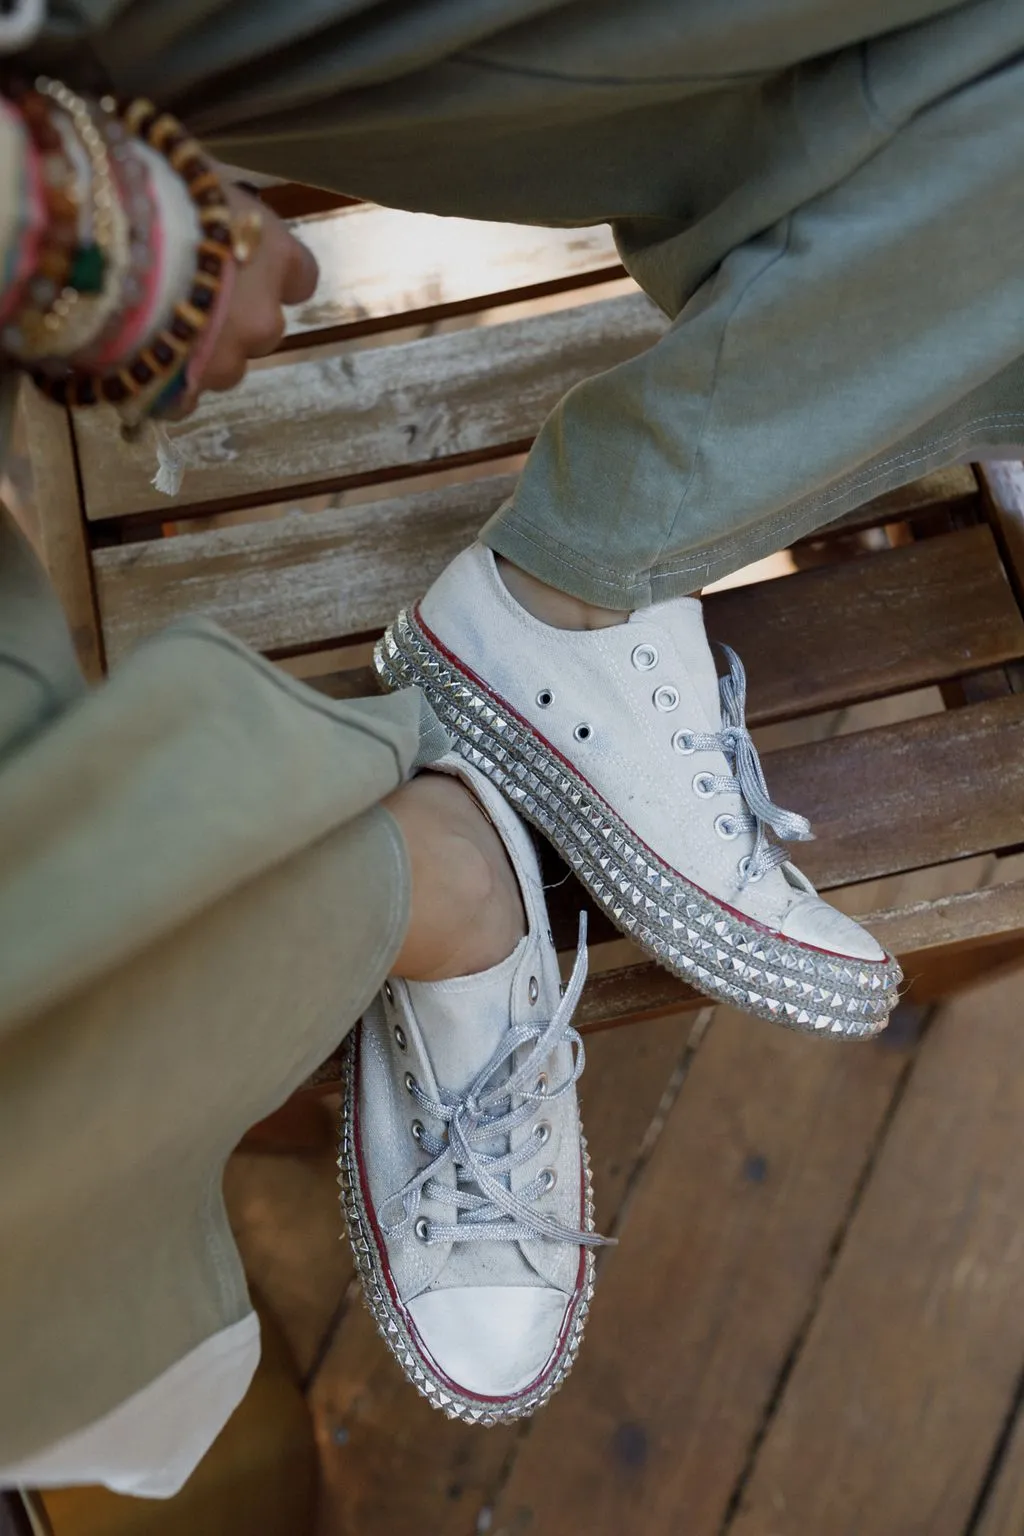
(59, 241)
(166, 352)
(99, 260)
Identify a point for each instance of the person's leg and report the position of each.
(463, 1170)
(199, 894)
(466, 911)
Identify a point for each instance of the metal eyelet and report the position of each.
(545, 698)
(550, 1178)
(726, 827)
(644, 657)
(388, 993)
(744, 866)
(704, 785)
(542, 1084)
(542, 1131)
(422, 1229)
(417, 1130)
(666, 698)
(583, 732)
(683, 742)
(400, 1040)
(410, 1082)
(533, 990)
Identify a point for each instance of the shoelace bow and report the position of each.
(747, 778)
(488, 1211)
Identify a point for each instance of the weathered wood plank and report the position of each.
(402, 1469)
(61, 533)
(326, 420)
(723, 1246)
(900, 1392)
(1004, 486)
(920, 614)
(1003, 1512)
(883, 623)
(380, 264)
(925, 937)
(301, 580)
(908, 795)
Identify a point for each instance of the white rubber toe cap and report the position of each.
(491, 1340)
(813, 921)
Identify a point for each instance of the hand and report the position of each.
(282, 272)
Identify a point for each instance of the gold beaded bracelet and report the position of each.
(67, 324)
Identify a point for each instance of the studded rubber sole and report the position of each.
(680, 925)
(392, 1320)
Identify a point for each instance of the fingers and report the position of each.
(301, 274)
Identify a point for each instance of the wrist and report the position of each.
(124, 274)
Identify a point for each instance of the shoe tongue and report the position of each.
(463, 1020)
(462, 1023)
(683, 619)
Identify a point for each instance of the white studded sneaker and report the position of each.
(624, 747)
(464, 1173)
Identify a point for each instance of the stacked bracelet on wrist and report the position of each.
(95, 264)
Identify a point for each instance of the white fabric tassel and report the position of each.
(170, 464)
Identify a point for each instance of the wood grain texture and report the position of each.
(926, 612)
(379, 264)
(908, 795)
(720, 1255)
(402, 1469)
(883, 623)
(324, 421)
(285, 1220)
(1003, 482)
(911, 1365)
(930, 938)
(61, 531)
(300, 580)
(1003, 1511)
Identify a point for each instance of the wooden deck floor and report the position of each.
(812, 1324)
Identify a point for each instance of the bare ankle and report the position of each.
(467, 911)
(553, 607)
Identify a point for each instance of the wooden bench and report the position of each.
(885, 665)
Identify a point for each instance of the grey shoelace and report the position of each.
(747, 779)
(485, 1208)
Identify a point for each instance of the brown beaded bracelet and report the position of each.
(172, 344)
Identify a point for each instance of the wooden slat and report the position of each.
(926, 937)
(382, 264)
(722, 1249)
(299, 581)
(330, 420)
(902, 1388)
(1003, 1512)
(402, 1469)
(884, 623)
(292, 200)
(893, 620)
(905, 796)
(59, 521)
(1004, 486)
(931, 940)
